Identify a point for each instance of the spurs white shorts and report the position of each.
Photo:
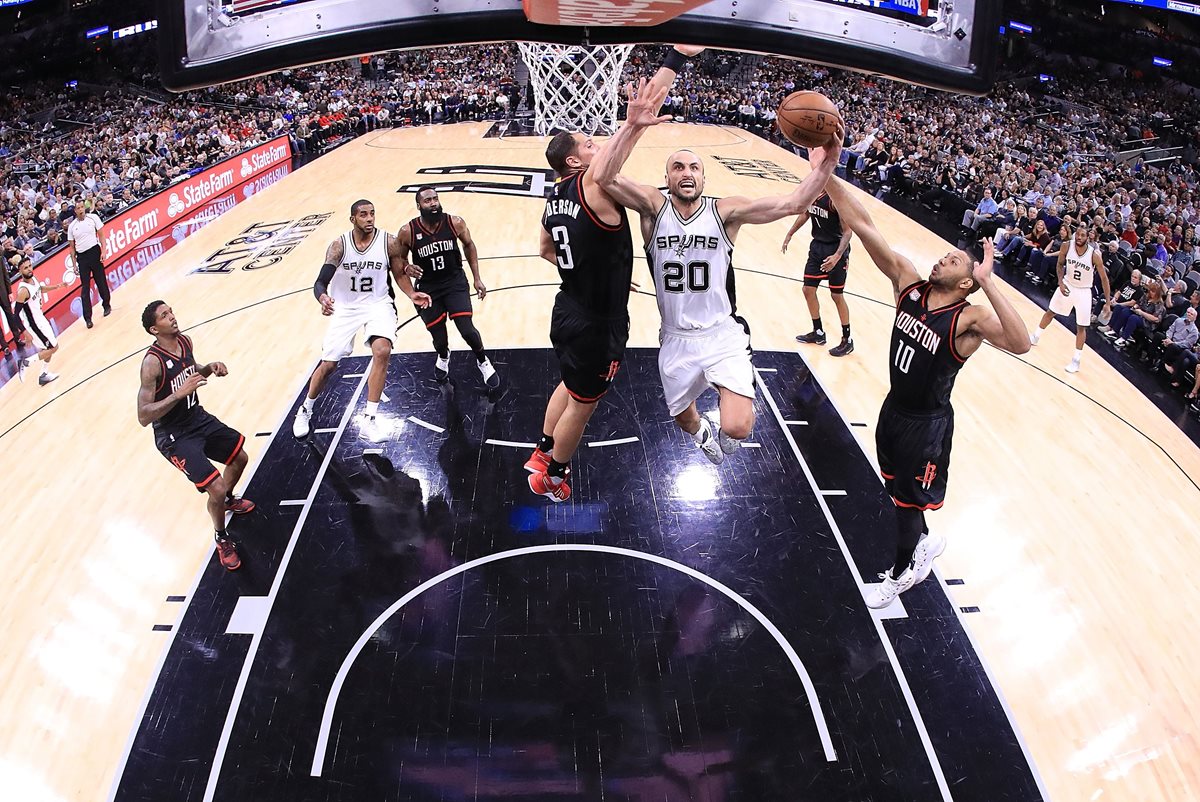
(375, 319)
(688, 364)
(40, 332)
(1080, 300)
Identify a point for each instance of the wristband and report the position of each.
(674, 61)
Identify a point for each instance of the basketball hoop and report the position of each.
(575, 87)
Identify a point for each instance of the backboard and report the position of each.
(947, 44)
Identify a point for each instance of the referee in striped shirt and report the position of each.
(84, 235)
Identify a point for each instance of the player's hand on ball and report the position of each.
(326, 305)
(421, 300)
(413, 271)
(481, 290)
(190, 385)
(218, 368)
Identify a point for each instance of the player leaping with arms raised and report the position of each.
(935, 332)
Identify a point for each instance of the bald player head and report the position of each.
(685, 176)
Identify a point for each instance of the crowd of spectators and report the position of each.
(1017, 165)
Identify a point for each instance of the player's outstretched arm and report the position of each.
(673, 63)
(641, 198)
(644, 103)
(737, 211)
(893, 265)
(1000, 325)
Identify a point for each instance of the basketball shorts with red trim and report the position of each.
(190, 448)
(814, 274)
(690, 363)
(376, 319)
(589, 348)
(450, 300)
(914, 454)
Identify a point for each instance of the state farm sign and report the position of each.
(139, 222)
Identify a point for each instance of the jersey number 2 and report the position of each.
(562, 245)
(362, 283)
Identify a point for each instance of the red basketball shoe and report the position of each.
(553, 488)
(239, 505)
(539, 462)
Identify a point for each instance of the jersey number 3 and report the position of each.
(697, 276)
(562, 247)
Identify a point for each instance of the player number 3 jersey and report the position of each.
(692, 264)
(362, 277)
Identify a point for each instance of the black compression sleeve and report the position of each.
(322, 283)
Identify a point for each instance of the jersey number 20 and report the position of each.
(697, 276)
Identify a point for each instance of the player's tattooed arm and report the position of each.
(333, 256)
(149, 410)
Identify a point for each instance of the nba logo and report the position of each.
(914, 296)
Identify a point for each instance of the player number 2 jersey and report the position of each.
(1078, 271)
(362, 277)
(692, 264)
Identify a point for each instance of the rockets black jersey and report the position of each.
(436, 252)
(826, 224)
(924, 363)
(175, 370)
(595, 259)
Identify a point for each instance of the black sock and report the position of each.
(846, 331)
(545, 443)
(220, 535)
(817, 325)
(229, 497)
(909, 524)
(557, 469)
(480, 356)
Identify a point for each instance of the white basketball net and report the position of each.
(575, 87)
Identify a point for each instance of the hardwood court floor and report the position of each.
(1071, 514)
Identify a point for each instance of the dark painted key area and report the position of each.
(602, 671)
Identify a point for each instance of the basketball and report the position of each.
(807, 118)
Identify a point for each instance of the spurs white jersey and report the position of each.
(362, 277)
(1078, 270)
(692, 265)
(33, 306)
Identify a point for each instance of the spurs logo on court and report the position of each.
(533, 182)
(759, 168)
(262, 244)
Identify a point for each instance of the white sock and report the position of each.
(45, 368)
(704, 432)
(1078, 355)
(372, 408)
(308, 404)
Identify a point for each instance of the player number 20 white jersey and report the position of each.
(691, 262)
(362, 277)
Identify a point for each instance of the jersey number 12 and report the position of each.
(362, 283)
